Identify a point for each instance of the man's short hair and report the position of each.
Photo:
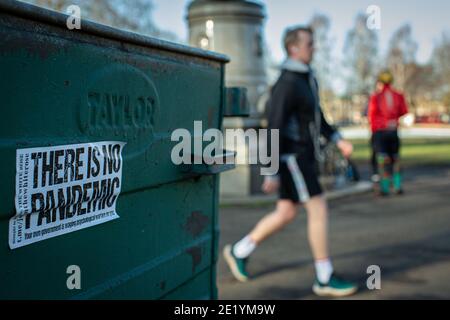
(291, 35)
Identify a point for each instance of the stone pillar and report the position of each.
(236, 28)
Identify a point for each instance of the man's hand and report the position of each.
(345, 147)
(270, 185)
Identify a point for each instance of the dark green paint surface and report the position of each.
(61, 87)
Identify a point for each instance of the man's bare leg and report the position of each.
(236, 255)
(317, 211)
(327, 284)
(285, 212)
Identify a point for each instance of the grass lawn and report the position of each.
(413, 151)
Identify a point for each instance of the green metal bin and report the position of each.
(64, 88)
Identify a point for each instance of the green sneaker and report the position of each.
(336, 287)
(237, 266)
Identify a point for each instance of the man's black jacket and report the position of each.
(294, 110)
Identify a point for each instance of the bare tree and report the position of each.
(360, 57)
(133, 15)
(323, 61)
(57, 5)
(401, 57)
(323, 45)
(441, 68)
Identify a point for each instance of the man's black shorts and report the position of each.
(299, 178)
(386, 142)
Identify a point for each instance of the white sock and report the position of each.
(324, 269)
(243, 248)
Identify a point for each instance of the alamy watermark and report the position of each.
(74, 19)
(373, 21)
(374, 280)
(191, 149)
(74, 279)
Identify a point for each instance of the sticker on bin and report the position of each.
(66, 188)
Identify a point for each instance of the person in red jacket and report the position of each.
(385, 109)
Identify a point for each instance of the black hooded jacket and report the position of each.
(294, 109)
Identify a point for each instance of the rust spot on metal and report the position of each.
(196, 223)
(196, 255)
(162, 285)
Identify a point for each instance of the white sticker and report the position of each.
(64, 188)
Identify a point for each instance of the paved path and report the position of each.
(407, 236)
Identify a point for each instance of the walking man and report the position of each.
(294, 109)
(385, 109)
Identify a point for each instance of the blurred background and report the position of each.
(412, 40)
(407, 236)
